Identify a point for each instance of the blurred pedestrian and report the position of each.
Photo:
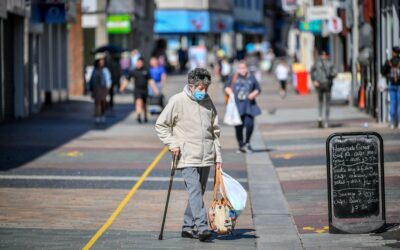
(125, 63)
(253, 62)
(183, 59)
(245, 87)
(99, 84)
(282, 74)
(226, 69)
(135, 55)
(159, 75)
(189, 127)
(142, 79)
(391, 69)
(112, 63)
(322, 74)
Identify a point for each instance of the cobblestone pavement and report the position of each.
(61, 177)
(297, 150)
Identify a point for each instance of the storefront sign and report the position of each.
(181, 21)
(314, 27)
(320, 13)
(221, 22)
(54, 13)
(118, 24)
(335, 25)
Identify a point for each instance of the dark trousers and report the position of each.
(324, 99)
(99, 107)
(248, 124)
(283, 84)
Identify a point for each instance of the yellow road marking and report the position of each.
(325, 227)
(320, 231)
(125, 201)
(308, 228)
(72, 154)
(287, 156)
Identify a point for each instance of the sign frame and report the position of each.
(337, 228)
(320, 13)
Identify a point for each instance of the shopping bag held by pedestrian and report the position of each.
(234, 78)
(221, 215)
(174, 164)
(232, 116)
(235, 193)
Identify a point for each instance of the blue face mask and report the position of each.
(198, 95)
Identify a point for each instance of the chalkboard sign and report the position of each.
(356, 197)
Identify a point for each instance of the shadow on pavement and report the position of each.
(25, 140)
(263, 150)
(237, 235)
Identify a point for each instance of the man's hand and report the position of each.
(316, 84)
(218, 165)
(175, 152)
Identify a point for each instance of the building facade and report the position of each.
(33, 56)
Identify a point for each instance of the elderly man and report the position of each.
(189, 126)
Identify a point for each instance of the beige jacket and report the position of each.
(193, 127)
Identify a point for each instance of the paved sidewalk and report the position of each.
(61, 177)
(297, 151)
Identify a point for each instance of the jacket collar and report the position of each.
(189, 94)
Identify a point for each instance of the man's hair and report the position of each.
(199, 75)
(396, 49)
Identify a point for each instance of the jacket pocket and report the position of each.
(209, 151)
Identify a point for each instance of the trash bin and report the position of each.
(302, 82)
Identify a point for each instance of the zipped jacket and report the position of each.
(193, 127)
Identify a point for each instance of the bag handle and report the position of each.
(218, 181)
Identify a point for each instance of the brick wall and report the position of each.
(75, 57)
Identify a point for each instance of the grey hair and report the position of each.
(199, 75)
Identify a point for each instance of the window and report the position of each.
(257, 5)
(249, 2)
(236, 3)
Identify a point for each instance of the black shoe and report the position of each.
(139, 119)
(205, 235)
(190, 234)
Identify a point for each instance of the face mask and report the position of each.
(198, 95)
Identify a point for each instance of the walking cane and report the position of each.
(174, 163)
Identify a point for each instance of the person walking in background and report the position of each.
(135, 55)
(125, 63)
(159, 75)
(391, 69)
(183, 59)
(282, 74)
(142, 79)
(112, 63)
(189, 127)
(99, 84)
(253, 63)
(245, 87)
(226, 69)
(322, 74)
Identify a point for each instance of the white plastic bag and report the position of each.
(232, 116)
(235, 193)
